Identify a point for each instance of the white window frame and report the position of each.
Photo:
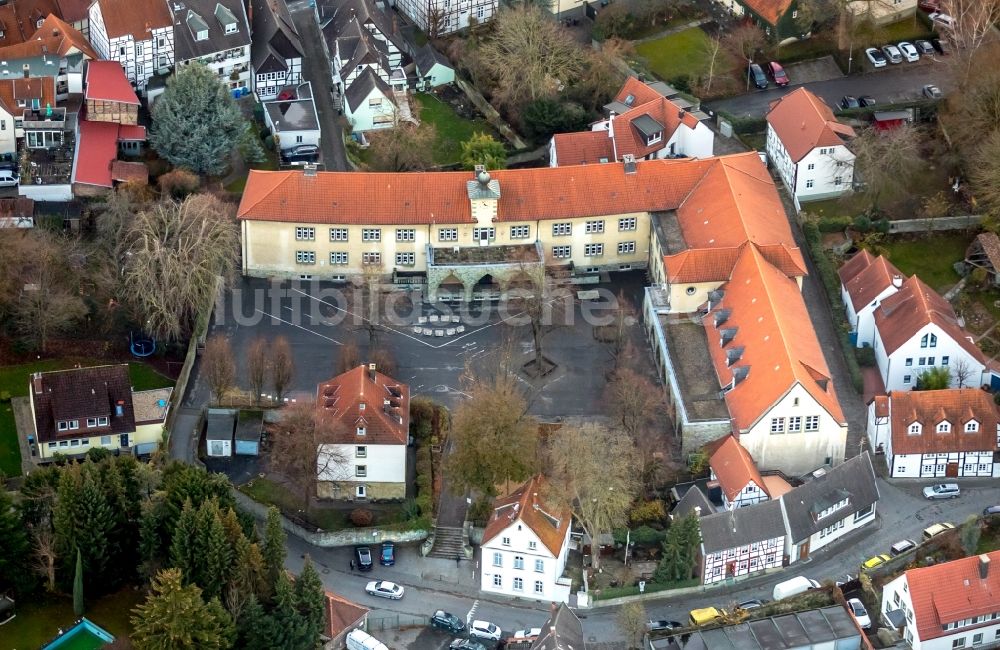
(519, 562)
(371, 257)
(371, 234)
(406, 259)
(518, 584)
(562, 252)
(520, 232)
(497, 558)
(626, 247)
(477, 234)
(562, 229)
(777, 425)
(593, 250)
(305, 257)
(812, 423)
(626, 224)
(539, 566)
(339, 234)
(361, 471)
(447, 234)
(339, 258)
(406, 234)
(595, 227)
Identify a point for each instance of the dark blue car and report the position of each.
(388, 556)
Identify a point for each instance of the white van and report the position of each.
(8, 178)
(361, 640)
(793, 587)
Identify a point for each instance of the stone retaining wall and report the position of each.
(490, 113)
(963, 222)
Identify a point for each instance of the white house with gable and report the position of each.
(525, 546)
(138, 34)
(865, 281)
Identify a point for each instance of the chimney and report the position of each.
(371, 371)
(897, 281)
(309, 170)
(629, 162)
(36, 382)
(697, 511)
(984, 566)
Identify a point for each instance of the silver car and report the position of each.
(942, 491)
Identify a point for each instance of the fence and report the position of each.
(396, 622)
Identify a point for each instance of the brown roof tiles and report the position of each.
(865, 277)
(953, 591)
(958, 406)
(134, 17)
(734, 467)
(82, 393)
(367, 398)
(526, 505)
(803, 122)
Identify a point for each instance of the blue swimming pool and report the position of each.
(85, 635)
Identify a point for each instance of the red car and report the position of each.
(929, 6)
(777, 73)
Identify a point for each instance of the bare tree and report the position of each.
(961, 373)
(282, 366)
(710, 49)
(885, 159)
(219, 366)
(257, 361)
(175, 254)
(46, 558)
(543, 302)
(633, 401)
(365, 299)
(349, 357)
(302, 451)
(745, 41)
(632, 622)
(984, 173)
(407, 147)
(593, 470)
(973, 23)
(383, 360)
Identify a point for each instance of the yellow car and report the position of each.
(704, 616)
(873, 562)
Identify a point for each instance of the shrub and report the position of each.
(647, 511)
(362, 517)
(179, 183)
(4, 396)
(833, 224)
(423, 502)
(865, 356)
(97, 454)
(480, 510)
(647, 536)
(862, 223)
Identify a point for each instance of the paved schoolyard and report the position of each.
(318, 322)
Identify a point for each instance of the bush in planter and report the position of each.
(362, 517)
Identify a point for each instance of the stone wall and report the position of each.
(963, 222)
(376, 491)
(490, 113)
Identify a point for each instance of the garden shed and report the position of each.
(219, 427)
(984, 253)
(248, 432)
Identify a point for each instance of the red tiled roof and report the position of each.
(583, 147)
(54, 36)
(525, 504)
(668, 114)
(803, 122)
(865, 277)
(342, 614)
(73, 10)
(640, 92)
(131, 132)
(19, 19)
(769, 10)
(931, 407)
(106, 81)
(125, 171)
(733, 466)
(902, 315)
(41, 88)
(716, 264)
(82, 393)
(953, 591)
(96, 150)
(768, 311)
(134, 17)
(369, 399)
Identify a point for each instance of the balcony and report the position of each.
(44, 118)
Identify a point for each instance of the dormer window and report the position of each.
(971, 426)
(198, 26)
(226, 19)
(944, 427)
(654, 138)
(914, 429)
(361, 431)
(361, 406)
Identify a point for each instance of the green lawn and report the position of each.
(38, 622)
(14, 381)
(452, 130)
(930, 257)
(269, 492)
(681, 54)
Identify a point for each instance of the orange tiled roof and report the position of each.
(767, 311)
(129, 171)
(769, 10)
(716, 264)
(803, 122)
(19, 19)
(134, 17)
(40, 88)
(865, 277)
(903, 314)
(342, 614)
(670, 115)
(583, 147)
(54, 37)
(640, 92)
(953, 591)
(733, 466)
(931, 407)
(369, 399)
(442, 197)
(525, 504)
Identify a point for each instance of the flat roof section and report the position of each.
(688, 349)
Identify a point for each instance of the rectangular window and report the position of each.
(626, 247)
(447, 234)
(539, 586)
(497, 581)
(505, 541)
(539, 566)
(944, 360)
(305, 257)
(812, 423)
(405, 234)
(922, 361)
(561, 252)
(74, 425)
(405, 259)
(361, 470)
(138, 49)
(837, 180)
(593, 250)
(958, 643)
(518, 562)
(91, 422)
(140, 70)
(338, 257)
(371, 234)
(518, 584)
(361, 431)
(909, 361)
(497, 558)
(62, 426)
(811, 166)
(562, 229)
(371, 258)
(594, 227)
(479, 234)
(861, 514)
(809, 183)
(626, 223)
(361, 451)
(105, 440)
(102, 421)
(520, 232)
(907, 379)
(338, 234)
(74, 443)
(795, 424)
(777, 425)
(532, 546)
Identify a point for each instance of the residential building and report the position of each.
(916, 330)
(76, 14)
(21, 98)
(831, 504)
(432, 68)
(881, 12)
(808, 147)
(76, 410)
(651, 126)
(741, 542)
(562, 631)
(439, 17)
(778, 18)
(138, 34)
(936, 433)
(370, 104)
(276, 51)
(56, 50)
(366, 455)
(814, 629)
(949, 605)
(866, 280)
(733, 469)
(215, 33)
(525, 546)
(293, 119)
(342, 616)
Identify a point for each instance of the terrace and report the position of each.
(49, 166)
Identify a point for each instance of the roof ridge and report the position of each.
(265, 173)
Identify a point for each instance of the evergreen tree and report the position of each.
(246, 578)
(94, 526)
(483, 149)
(252, 626)
(184, 549)
(274, 546)
(78, 585)
(196, 123)
(214, 553)
(38, 495)
(175, 617)
(15, 549)
(150, 540)
(310, 598)
(286, 628)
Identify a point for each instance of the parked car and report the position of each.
(937, 529)
(931, 91)
(388, 555)
(662, 625)
(866, 100)
(860, 613)
(363, 558)
(753, 603)
(908, 51)
(358, 639)
(484, 630)
(878, 560)
(942, 20)
(756, 76)
(777, 73)
(465, 644)
(892, 53)
(941, 490)
(445, 621)
(845, 579)
(924, 47)
(532, 633)
(385, 589)
(992, 510)
(902, 546)
(704, 616)
(793, 587)
(301, 150)
(940, 46)
(8, 178)
(876, 57)
(929, 6)
(849, 101)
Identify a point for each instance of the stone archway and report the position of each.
(486, 288)
(450, 288)
(521, 282)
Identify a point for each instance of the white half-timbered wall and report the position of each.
(449, 15)
(141, 59)
(744, 560)
(267, 84)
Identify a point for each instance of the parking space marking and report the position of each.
(282, 320)
(472, 612)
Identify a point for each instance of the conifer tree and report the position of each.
(184, 548)
(78, 585)
(176, 617)
(16, 549)
(310, 598)
(274, 546)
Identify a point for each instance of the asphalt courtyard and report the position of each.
(318, 320)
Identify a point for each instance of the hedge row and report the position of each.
(650, 587)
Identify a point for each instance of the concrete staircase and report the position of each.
(449, 543)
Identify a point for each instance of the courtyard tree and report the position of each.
(46, 556)
(543, 301)
(969, 534)
(78, 585)
(745, 41)
(973, 25)
(637, 406)
(711, 47)
(483, 149)
(257, 364)
(544, 117)
(406, 148)
(282, 366)
(196, 122)
(680, 550)
(962, 373)
(218, 366)
(176, 617)
(885, 159)
(933, 379)
(594, 471)
(176, 253)
(302, 449)
(273, 548)
(632, 622)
